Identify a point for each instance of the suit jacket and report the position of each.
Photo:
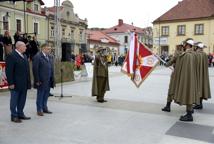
(43, 70)
(17, 71)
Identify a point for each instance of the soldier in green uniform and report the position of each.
(171, 89)
(186, 92)
(202, 74)
(100, 82)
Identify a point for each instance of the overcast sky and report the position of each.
(105, 13)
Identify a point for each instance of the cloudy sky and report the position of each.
(105, 13)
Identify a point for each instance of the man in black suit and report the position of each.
(43, 72)
(18, 77)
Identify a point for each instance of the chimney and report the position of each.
(120, 22)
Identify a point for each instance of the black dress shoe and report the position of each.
(50, 94)
(24, 118)
(47, 111)
(16, 120)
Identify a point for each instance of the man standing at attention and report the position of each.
(100, 83)
(43, 73)
(18, 77)
(185, 80)
(202, 75)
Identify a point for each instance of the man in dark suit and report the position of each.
(18, 77)
(43, 72)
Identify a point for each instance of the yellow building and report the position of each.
(188, 19)
(25, 17)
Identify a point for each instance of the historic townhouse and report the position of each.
(189, 18)
(72, 29)
(26, 17)
(98, 39)
(121, 32)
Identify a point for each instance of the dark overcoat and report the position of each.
(17, 71)
(41, 71)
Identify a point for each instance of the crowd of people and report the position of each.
(189, 83)
(6, 44)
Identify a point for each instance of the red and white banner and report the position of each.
(3, 79)
(139, 62)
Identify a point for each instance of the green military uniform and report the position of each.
(171, 89)
(186, 92)
(203, 75)
(100, 82)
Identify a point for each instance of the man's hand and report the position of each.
(11, 86)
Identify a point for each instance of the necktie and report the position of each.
(47, 57)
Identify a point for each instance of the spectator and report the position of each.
(1, 47)
(7, 43)
(17, 37)
(34, 47)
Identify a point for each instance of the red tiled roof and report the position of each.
(123, 27)
(189, 9)
(41, 2)
(99, 35)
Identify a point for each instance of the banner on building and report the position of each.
(139, 62)
(3, 79)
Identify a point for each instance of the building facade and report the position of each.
(26, 17)
(72, 29)
(121, 32)
(98, 39)
(188, 19)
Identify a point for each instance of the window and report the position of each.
(199, 29)
(165, 30)
(81, 35)
(181, 30)
(5, 23)
(125, 39)
(63, 31)
(52, 31)
(72, 33)
(36, 28)
(18, 25)
(36, 7)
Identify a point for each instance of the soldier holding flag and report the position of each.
(171, 89)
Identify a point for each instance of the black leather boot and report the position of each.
(188, 117)
(167, 107)
(200, 106)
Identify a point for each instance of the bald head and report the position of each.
(20, 46)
